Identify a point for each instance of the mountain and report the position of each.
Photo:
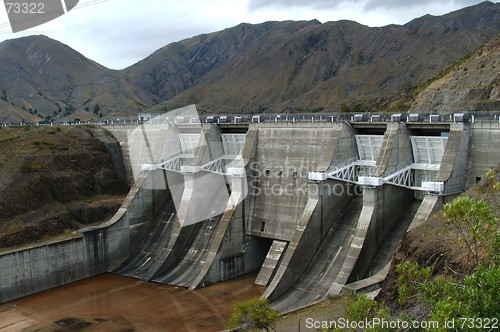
(182, 65)
(300, 66)
(308, 66)
(41, 78)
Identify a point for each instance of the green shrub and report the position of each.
(253, 314)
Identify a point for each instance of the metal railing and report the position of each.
(281, 118)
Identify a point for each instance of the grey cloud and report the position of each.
(374, 4)
(119, 48)
(367, 4)
(316, 4)
(398, 4)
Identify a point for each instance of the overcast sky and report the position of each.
(118, 33)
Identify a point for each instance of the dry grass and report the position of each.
(53, 180)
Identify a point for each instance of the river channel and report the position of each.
(110, 303)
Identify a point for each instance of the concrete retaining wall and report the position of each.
(32, 270)
(96, 250)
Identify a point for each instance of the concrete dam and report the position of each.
(314, 207)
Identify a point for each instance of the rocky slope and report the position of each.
(54, 180)
(301, 66)
(471, 85)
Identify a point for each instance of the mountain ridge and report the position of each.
(295, 66)
(339, 62)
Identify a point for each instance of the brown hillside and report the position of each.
(471, 85)
(47, 80)
(54, 180)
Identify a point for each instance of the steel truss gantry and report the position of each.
(221, 165)
(218, 165)
(175, 163)
(405, 177)
(427, 155)
(232, 144)
(358, 172)
(348, 172)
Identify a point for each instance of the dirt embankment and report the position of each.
(54, 180)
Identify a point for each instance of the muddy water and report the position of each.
(114, 303)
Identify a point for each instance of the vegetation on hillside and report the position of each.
(470, 84)
(253, 315)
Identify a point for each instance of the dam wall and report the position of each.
(395, 152)
(233, 252)
(454, 165)
(382, 209)
(321, 212)
(277, 220)
(382, 205)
